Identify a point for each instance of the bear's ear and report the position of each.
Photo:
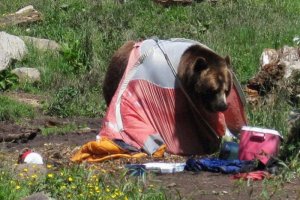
(200, 64)
(228, 61)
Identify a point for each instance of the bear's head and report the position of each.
(206, 77)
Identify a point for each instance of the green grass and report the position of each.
(77, 183)
(68, 128)
(11, 110)
(90, 31)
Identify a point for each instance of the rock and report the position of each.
(23, 16)
(289, 54)
(42, 44)
(27, 74)
(4, 60)
(38, 196)
(11, 47)
(291, 67)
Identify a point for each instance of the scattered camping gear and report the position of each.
(149, 108)
(157, 167)
(229, 151)
(30, 157)
(259, 143)
(106, 149)
(255, 176)
(219, 165)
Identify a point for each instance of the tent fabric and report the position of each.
(149, 109)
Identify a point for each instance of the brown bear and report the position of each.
(205, 75)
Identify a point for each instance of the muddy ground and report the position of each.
(57, 149)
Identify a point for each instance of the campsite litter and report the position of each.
(30, 157)
(134, 126)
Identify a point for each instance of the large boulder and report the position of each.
(41, 44)
(11, 47)
(27, 74)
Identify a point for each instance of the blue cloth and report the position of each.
(218, 165)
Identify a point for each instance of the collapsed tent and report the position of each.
(150, 109)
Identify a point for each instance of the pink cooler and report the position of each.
(258, 143)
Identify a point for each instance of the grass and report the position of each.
(89, 31)
(68, 128)
(77, 183)
(11, 110)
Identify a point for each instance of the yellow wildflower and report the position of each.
(49, 166)
(73, 186)
(18, 187)
(21, 174)
(125, 198)
(34, 176)
(70, 179)
(107, 190)
(50, 175)
(61, 173)
(63, 187)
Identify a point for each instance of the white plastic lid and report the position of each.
(261, 130)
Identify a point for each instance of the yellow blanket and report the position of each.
(106, 149)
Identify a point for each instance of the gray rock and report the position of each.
(27, 74)
(289, 54)
(11, 47)
(42, 44)
(4, 60)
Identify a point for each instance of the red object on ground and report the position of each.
(258, 143)
(255, 176)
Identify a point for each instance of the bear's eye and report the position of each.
(212, 92)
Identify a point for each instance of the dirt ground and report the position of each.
(57, 149)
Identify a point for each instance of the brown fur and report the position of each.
(116, 70)
(204, 75)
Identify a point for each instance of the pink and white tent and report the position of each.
(149, 108)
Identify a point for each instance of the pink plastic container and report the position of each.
(258, 143)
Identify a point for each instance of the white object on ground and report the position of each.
(34, 158)
(165, 167)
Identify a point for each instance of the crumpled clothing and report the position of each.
(219, 165)
(106, 149)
